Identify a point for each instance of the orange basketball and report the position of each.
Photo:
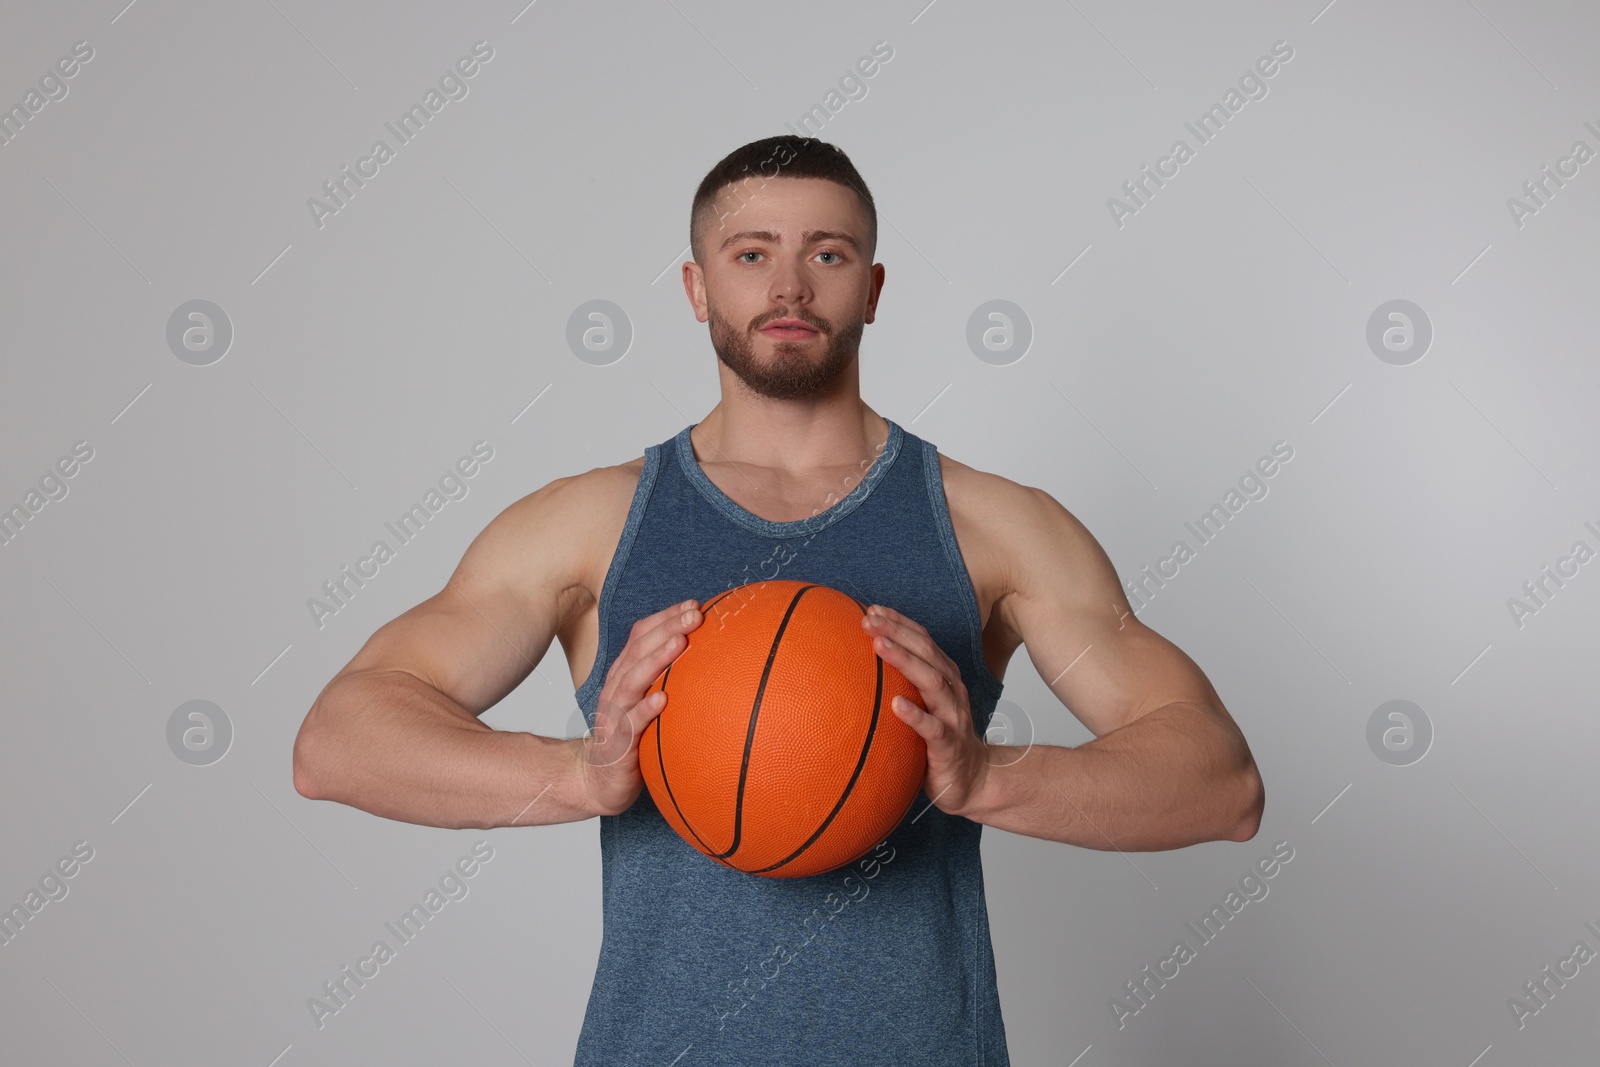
(778, 752)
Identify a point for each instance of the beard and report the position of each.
(796, 371)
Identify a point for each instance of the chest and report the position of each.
(778, 501)
(985, 573)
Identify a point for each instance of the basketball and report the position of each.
(778, 753)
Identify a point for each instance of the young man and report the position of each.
(791, 475)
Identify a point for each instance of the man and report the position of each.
(791, 475)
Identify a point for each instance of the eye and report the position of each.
(837, 256)
(741, 255)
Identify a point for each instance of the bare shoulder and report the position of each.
(601, 489)
(998, 500)
(599, 503)
(1022, 540)
(556, 540)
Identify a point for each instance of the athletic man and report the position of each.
(791, 475)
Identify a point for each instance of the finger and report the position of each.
(678, 621)
(666, 619)
(661, 627)
(896, 619)
(649, 653)
(918, 671)
(908, 632)
(913, 716)
(942, 714)
(620, 723)
(928, 726)
(637, 717)
(923, 647)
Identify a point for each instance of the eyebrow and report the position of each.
(808, 237)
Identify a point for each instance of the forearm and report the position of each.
(1174, 777)
(391, 745)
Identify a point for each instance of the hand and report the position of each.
(609, 756)
(957, 756)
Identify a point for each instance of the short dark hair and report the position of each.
(783, 156)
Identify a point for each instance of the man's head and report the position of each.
(784, 230)
(741, 175)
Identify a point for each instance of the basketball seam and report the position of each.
(755, 714)
(861, 761)
(661, 759)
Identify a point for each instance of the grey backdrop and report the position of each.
(1174, 342)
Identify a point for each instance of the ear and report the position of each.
(873, 293)
(694, 286)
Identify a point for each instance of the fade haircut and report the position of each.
(777, 157)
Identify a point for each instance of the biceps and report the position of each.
(1106, 666)
(475, 646)
(1122, 671)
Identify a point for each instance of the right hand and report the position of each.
(609, 757)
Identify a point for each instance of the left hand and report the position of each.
(957, 763)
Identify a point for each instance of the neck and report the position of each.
(794, 438)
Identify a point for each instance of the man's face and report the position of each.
(791, 252)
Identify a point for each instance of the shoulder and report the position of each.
(1010, 512)
(558, 538)
(1031, 541)
(589, 510)
(975, 492)
(574, 504)
(599, 491)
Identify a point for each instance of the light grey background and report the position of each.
(369, 354)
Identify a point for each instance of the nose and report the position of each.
(789, 283)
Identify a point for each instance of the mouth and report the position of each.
(788, 329)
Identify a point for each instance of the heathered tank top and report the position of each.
(885, 961)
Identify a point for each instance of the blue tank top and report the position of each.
(886, 960)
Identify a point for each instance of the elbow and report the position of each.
(1253, 802)
(302, 776)
(305, 782)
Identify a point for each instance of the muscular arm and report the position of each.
(1168, 766)
(396, 733)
